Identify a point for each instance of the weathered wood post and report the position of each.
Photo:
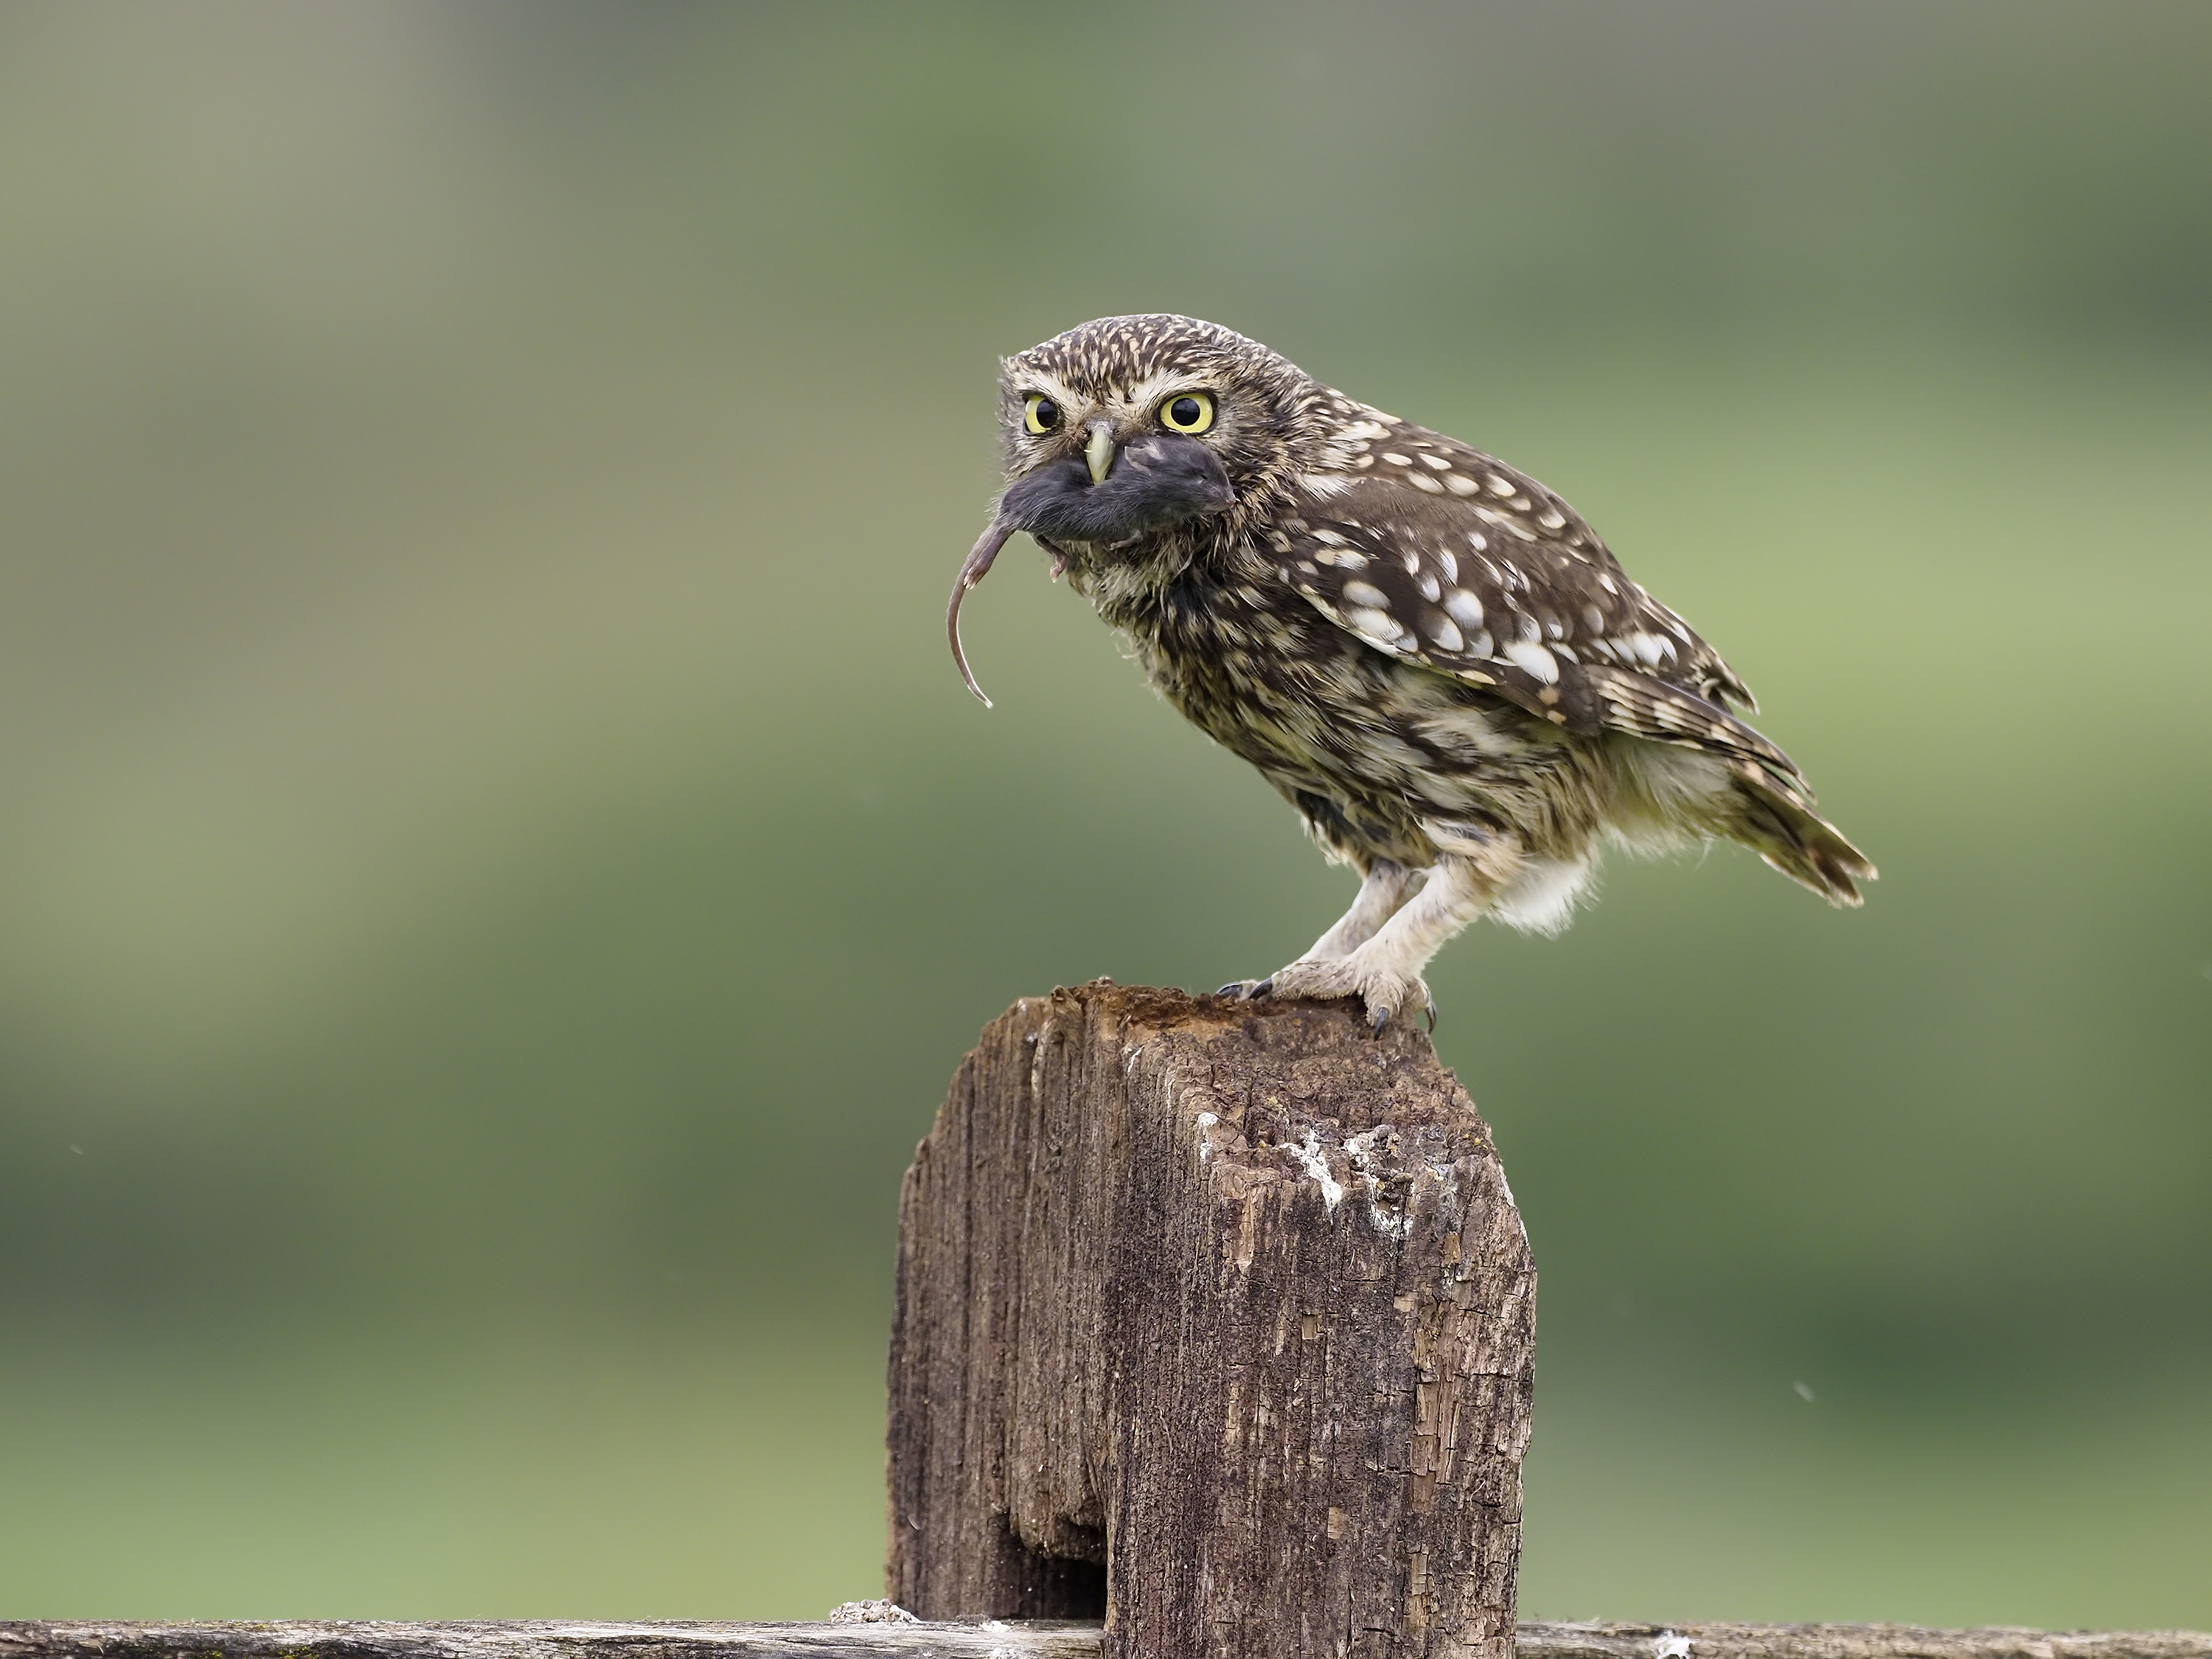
(1217, 1320)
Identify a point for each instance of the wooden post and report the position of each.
(1215, 1319)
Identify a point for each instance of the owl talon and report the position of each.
(1246, 990)
(1381, 992)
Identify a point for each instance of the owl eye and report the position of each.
(1040, 413)
(1188, 411)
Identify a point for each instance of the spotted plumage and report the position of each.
(1430, 654)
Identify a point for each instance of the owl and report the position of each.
(1427, 652)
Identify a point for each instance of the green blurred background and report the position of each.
(496, 867)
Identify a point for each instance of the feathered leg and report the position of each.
(1384, 972)
(1385, 889)
(1382, 891)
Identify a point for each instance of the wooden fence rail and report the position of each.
(996, 1639)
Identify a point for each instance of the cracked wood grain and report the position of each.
(1216, 1321)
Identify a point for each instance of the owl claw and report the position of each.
(1381, 993)
(1246, 990)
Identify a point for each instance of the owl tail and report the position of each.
(1797, 841)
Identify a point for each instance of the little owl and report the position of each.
(1428, 654)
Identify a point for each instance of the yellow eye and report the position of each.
(1040, 413)
(1188, 411)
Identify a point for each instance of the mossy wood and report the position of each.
(1216, 1320)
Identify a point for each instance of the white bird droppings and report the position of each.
(1310, 1155)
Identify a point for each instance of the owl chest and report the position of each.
(1263, 674)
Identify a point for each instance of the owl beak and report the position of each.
(1099, 452)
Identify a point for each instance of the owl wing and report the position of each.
(1437, 554)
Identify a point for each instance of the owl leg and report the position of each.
(1384, 972)
(1382, 891)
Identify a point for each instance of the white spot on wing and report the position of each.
(1463, 608)
(1379, 626)
(1540, 664)
(1362, 593)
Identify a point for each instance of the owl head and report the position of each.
(1129, 427)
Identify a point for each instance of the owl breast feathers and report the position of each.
(1428, 654)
